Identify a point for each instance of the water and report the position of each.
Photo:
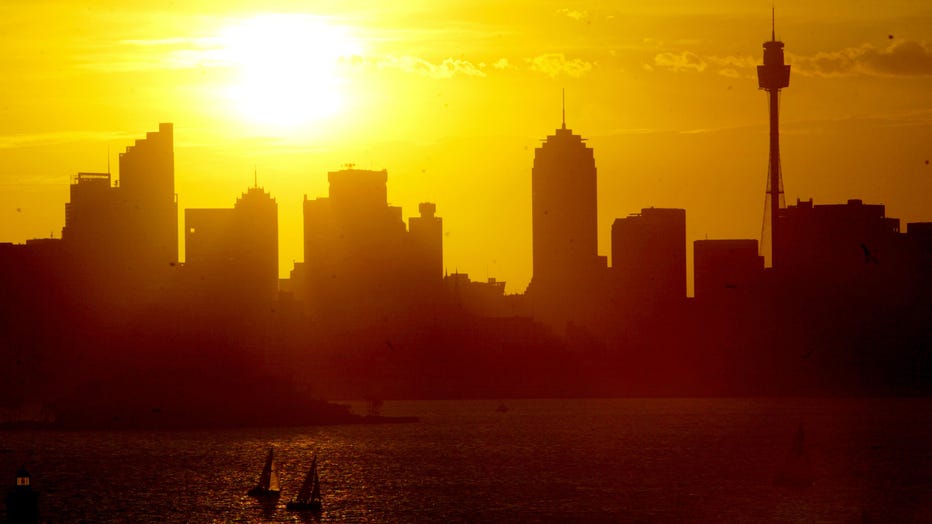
(656, 460)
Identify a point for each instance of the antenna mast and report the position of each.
(564, 107)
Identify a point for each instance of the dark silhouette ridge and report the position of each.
(107, 328)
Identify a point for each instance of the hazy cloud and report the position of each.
(448, 68)
(905, 58)
(502, 63)
(573, 13)
(153, 54)
(555, 64)
(684, 61)
(59, 137)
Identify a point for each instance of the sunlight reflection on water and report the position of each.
(557, 460)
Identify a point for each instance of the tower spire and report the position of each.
(255, 176)
(773, 23)
(564, 108)
(773, 76)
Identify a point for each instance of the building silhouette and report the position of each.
(147, 187)
(231, 255)
(835, 242)
(567, 269)
(425, 238)
(564, 202)
(360, 261)
(726, 268)
(122, 238)
(649, 255)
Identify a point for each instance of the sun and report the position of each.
(287, 68)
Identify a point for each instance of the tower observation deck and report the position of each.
(773, 76)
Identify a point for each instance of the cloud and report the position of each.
(684, 61)
(59, 137)
(555, 64)
(156, 54)
(904, 58)
(448, 68)
(502, 63)
(572, 13)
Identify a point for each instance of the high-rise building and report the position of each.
(564, 210)
(649, 254)
(425, 233)
(126, 232)
(147, 186)
(360, 260)
(232, 254)
(821, 244)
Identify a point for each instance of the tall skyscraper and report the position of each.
(773, 76)
(147, 186)
(124, 237)
(564, 204)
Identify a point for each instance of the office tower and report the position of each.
(147, 188)
(232, 254)
(425, 234)
(122, 238)
(354, 246)
(821, 244)
(564, 204)
(649, 254)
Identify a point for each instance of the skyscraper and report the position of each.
(564, 204)
(649, 254)
(231, 255)
(128, 232)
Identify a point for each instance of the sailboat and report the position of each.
(308, 498)
(797, 470)
(267, 486)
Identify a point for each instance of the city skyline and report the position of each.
(465, 140)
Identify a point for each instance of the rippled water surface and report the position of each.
(657, 460)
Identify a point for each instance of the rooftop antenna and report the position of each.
(255, 176)
(773, 23)
(564, 108)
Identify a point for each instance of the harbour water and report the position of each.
(626, 460)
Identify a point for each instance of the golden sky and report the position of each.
(452, 98)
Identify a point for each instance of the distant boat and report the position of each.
(502, 408)
(268, 485)
(308, 497)
(797, 470)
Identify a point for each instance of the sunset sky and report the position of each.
(452, 97)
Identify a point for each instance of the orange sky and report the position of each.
(453, 97)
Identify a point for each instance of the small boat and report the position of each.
(502, 408)
(797, 470)
(268, 485)
(308, 497)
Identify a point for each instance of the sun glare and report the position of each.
(287, 68)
